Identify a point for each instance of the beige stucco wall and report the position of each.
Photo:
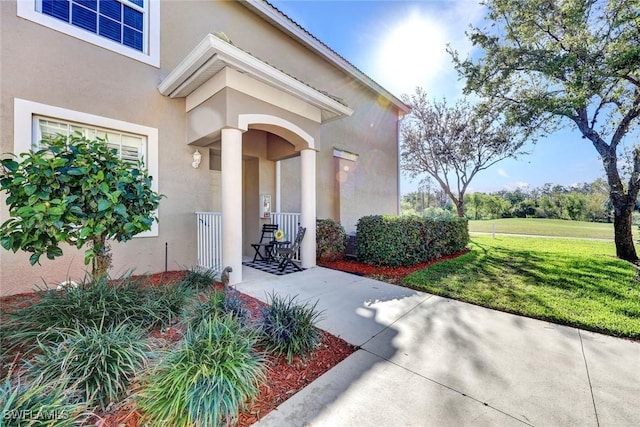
(42, 65)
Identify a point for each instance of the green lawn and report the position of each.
(544, 227)
(573, 282)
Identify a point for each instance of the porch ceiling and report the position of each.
(212, 55)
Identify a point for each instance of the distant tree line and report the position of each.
(583, 202)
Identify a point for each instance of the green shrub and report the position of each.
(330, 240)
(38, 403)
(98, 362)
(199, 279)
(288, 327)
(208, 380)
(438, 213)
(409, 240)
(220, 303)
(93, 303)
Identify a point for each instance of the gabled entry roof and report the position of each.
(212, 55)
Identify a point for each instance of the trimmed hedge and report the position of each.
(409, 240)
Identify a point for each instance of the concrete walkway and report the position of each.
(431, 361)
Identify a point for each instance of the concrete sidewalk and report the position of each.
(431, 361)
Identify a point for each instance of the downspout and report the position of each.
(399, 198)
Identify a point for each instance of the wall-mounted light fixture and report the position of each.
(197, 157)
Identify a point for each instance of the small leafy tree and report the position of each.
(452, 143)
(76, 191)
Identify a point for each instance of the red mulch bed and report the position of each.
(283, 379)
(391, 274)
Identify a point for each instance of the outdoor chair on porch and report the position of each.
(285, 254)
(266, 243)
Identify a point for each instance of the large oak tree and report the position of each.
(552, 63)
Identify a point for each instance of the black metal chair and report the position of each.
(266, 242)
(285, 255)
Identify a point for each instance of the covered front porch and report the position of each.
(209, 236)
(247, 116)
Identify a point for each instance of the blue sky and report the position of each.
(401, 45)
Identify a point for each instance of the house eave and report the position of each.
(275, 17)
(212, 54)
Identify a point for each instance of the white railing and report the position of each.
(209, 229)
(287, 222)
(209, 235)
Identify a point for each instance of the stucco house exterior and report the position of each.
(269, 108)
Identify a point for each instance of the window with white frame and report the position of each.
(34, 120)
(130, 147)
(129, 27)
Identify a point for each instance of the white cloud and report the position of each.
(503, 173)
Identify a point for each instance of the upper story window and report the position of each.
(129, 27)
(119, 20)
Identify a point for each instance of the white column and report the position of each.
(278, 186)
(308, 208)
(232, 202)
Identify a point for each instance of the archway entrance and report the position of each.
(229, 94)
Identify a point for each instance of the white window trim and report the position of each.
(23, 135)
(151, 56)
(93, 131)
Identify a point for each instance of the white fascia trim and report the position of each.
(26, 9)
(273, 16)
(23, 131)
(214, 54)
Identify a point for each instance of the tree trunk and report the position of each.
(623, 203)
(622, 226)
(460, 208)
(102, 257)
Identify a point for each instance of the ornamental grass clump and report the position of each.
(207, 381)
(98, 362)
(199, 279)
(38, 403)
(94, 302)
(163, 304)
(288, 328)
(219, 303)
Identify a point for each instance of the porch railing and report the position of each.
(209, 229)
(287, 222)
(209, 235)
